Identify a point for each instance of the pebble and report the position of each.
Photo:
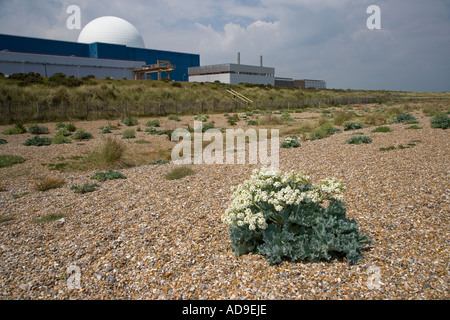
(161, 239)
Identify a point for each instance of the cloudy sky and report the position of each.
(312, 39)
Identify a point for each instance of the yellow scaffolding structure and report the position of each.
(161, 66)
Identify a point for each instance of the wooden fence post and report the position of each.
(10, 112)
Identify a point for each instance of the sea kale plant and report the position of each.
(108, 175)
(291, 142)
(286, 217)
(440, 121)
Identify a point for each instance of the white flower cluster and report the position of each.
(290, 139)
(270, 186)
(290, 142)
(332, 188)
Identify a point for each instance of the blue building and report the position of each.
(24, 54)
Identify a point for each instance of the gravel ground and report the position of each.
(149, 238)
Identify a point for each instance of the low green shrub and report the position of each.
(64, 132)
(38, 141)
(252, 123)
(286, 116)
(81, 134)
(86, 188)
(26, 79)
(173, 117)
(17, 129)
(359, 140)
(151, 130)
(352, 125)
(201, 117)
(12, 131)
(153, 123)
(71, 127)
(130, 121)
(325, 130)
(404, 118)
(207, 126)
(440, 121)
(3, 141)
(232, 121)
(60, 79)
(61, 139)
(8, 160)
(35, 129)
(382, 129)
(60, 125)
(129, 134)
(108, 175)
(290, 143)
(105, 130)
(286, 218)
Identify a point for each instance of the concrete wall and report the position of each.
(223, 78)
(48, 65)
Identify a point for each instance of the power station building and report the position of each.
(107, 47)
(236, 73)
(233, 73)
(112, 47)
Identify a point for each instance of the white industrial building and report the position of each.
(233, 73)
(236, 73)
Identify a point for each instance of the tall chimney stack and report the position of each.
(261, 61)
(239, 58)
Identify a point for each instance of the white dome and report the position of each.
(111, 30)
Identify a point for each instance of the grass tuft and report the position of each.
(179, 173)
(86, 188)
(109, 154)
(49, 218)
(8, 161)
(382, 129)
(129, 134)
(49, 183)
